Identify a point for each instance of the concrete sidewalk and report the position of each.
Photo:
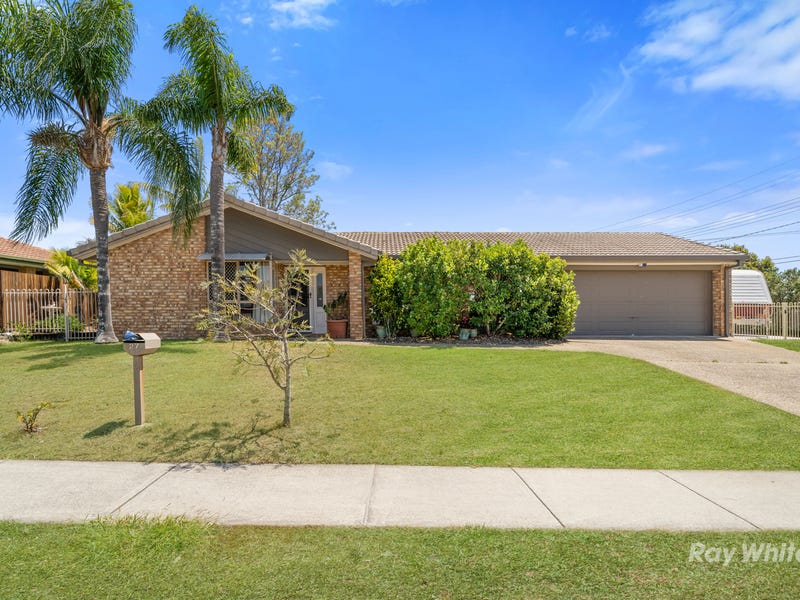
(374, 495)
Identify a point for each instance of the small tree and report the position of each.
(281, 174)
(272, 338)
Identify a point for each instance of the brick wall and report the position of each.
(356, 296)
(718, 295)
(335, 281)
(156, 284)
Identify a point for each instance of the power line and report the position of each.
(768, 212)
(741, 235)
(704, 194)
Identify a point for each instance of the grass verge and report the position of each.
(175, 559)
(788, 344)
(388, 405)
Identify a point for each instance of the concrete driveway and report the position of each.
(765, 373)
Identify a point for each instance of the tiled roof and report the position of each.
(566, 244)
(23, 251)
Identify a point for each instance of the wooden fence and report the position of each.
(11, 280)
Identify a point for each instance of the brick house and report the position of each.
(629, 283)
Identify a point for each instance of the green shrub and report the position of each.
(502, 288)
(385, 301)
(55, 324)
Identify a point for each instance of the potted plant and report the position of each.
(464, 326)
(336, 310)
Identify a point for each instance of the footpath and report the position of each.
(379, 495)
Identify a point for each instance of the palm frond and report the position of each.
(62, 58)
(49, 187)
(167, 157)
(203, 47)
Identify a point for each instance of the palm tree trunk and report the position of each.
(105, 327)
(219, 151)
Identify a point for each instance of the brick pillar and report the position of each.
(355, 280)
(718, 293)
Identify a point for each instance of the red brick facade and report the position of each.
(156, 284)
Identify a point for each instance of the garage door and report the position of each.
(643, 302)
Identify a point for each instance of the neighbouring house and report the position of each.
(752, 302)
(629, 283)
(21, 268)
(17, 257)
(749, 287)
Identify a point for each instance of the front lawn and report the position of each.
(169, 559)
(387, 405)
(788, 344)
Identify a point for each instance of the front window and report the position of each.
(232, 269)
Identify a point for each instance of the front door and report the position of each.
(317, 319)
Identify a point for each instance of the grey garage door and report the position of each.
(643, 302)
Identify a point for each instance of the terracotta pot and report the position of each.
(337, 328)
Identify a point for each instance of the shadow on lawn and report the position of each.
(104, 429)
(220, 442)
(56, 354)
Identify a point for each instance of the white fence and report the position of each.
(63, 313)
(780, 320)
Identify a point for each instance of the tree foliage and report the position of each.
(63, 65)
(70, 271)
(129, 207)
(273, 340)
(434, 287)
(281, 175)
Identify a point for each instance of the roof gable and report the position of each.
(231, 203)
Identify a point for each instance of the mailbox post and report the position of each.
(139, 345)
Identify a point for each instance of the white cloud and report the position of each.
(297, 14)
(640, 151)
(602, 101)
(721, 44)
(721, 165)
(668, 223)
(394, 3)
(275, 55)
(246, 20)
(597, 33)
(571, 31)
(559, 163)
(334, 171)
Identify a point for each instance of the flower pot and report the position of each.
(380, 331)
(337, 328)
(473, 333)
(463, 334)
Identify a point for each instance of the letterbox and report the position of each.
(141, 344)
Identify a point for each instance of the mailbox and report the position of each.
(141, 344)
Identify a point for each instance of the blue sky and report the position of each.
(515, 115)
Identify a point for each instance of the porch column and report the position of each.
(355, 288)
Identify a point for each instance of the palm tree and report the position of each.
(63, 64)
(212, 93)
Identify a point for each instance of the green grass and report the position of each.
(388, 405)
(788, 344)
(169, 559)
